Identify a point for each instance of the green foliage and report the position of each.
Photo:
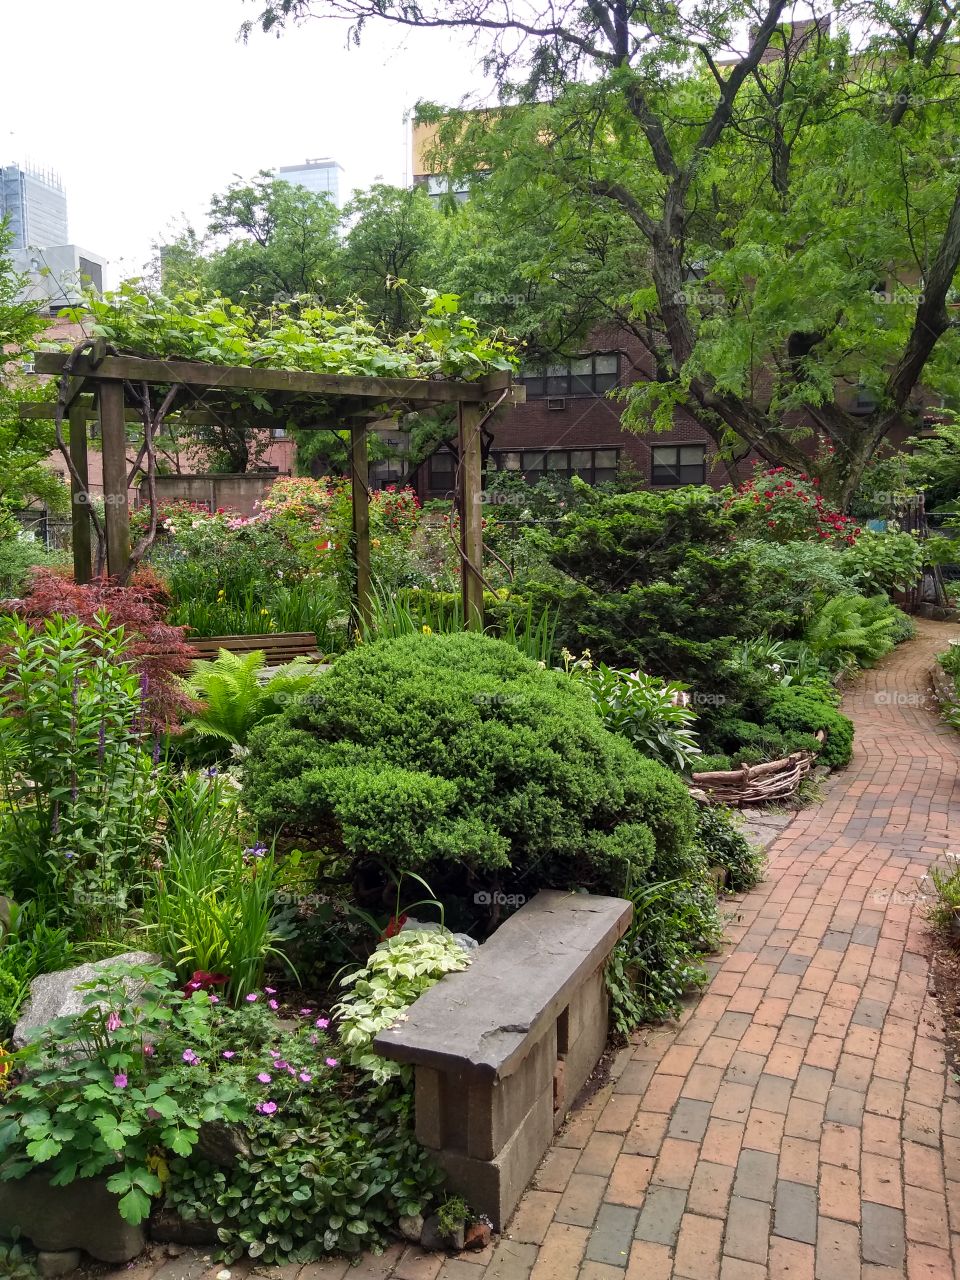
(796, 575)
(883, 562)
(234, 698)
(15, 1264)
(19, 553)
(399, 971)
(95, 1100)
(722, 839)
(29, 946)
(459, 754)
(651, 715)
(798, 709)
(850, 630)
(452, 1215)
(78, 792)
(209, 904)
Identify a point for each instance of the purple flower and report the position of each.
(148, 1050)
(229, 1053)
(251, 997)
(211, 772)
(322, 1023)
(305, 1013)
(266, 1108)
(271, 991)
(331, 1062)
(155, 755)
(264, 1077)
(274, 1053)
(190, 1057)
(120, 1080)
(113, 1022)
(214, 999)
(273, 1004)
(305, 1076)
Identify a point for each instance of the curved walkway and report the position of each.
(799, 1122)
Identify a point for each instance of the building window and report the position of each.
(679, 464)
(442, 471)
(596, 466)
(581, 376)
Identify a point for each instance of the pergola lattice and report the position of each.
(327, 400)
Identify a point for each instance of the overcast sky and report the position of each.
(146, 108)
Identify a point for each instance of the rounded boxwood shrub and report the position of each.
(799, 710)
(457, 757)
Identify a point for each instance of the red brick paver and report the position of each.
(799, 1121)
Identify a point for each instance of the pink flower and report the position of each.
(273, 1004)
(306, 1077)
(251, 997)
(113, 1022)
(190, 1057)
(120, 1080)
(148, 1050)
(266, 1108)
(271, 991)
(264, 1077)
(214, 999)
(305, 1013)
(322, 1023)
(229, 1053)
(331, 1062)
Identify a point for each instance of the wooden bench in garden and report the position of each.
(502, 1049)
(278, 646)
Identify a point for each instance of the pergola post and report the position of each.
(471, 514)
(113, 438)
(80, 495)
(359, 476)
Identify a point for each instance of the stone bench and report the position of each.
(502, 1049)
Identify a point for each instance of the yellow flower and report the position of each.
(264, 613)
(427, 631)
(375, 542)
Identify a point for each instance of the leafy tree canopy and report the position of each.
(782, 200)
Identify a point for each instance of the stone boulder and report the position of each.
(81, 1215)
(56, 995)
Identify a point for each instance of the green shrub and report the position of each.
(28, 947)
(883, 562)
(903, 628)
(458, 754)
(725, 845)
(717, 762)
(799, 710)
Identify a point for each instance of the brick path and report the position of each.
(798, 1123)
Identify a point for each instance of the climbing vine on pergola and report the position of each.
(151, 384)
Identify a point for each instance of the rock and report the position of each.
(222, 1143)
(63, 1262)
(411, 1227)
(55, 995)
(81, 1215)
(431, 926)
(167, 1227)
(478, 1235)
(430, 1239)
(174, 1250)
(6, 908)
(456, 1240)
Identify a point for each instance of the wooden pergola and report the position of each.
(346, 401)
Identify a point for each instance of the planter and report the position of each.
(752, 784)
(955, 926)
(81, 1215)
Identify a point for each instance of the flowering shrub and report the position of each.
(884, 562)
(783, 506)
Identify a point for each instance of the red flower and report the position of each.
(394, 925)
(201, 980)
